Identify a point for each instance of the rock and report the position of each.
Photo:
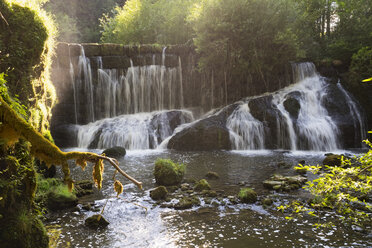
(210, 193)
(332, 160)
(159, 193)
(115, 152)
(187, 202)
(84, 187)
(202, 185)
(212, 175)
(171, 119)
(247, 195)
(267, 201)
(292, 105)
(270, 184)
(204, 135)
(96, 221)
(301, 171)
(279, 182)
(167, 172)
(185, 186)
(57, 200)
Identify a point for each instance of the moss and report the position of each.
(167, 172)
(202, 185)
(159, 193)
(247, 195)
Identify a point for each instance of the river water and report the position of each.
(210, 225)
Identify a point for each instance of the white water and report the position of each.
(312, 130)
(246, 133)
(135, 90)
(134, 132)
(355, 112)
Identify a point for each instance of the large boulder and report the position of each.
(247, 195)
(164, 123)
(207, 134)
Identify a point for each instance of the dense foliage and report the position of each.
(345, 189)
(78, 20)
(147, 21)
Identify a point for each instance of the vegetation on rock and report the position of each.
(167, 172)
(247, 195)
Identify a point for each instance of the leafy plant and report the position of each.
(345, 189)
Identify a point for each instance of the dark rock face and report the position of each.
(96, 221)
(59, 201)
(159, 193)
(65, 135)
(204, 135)
(115, 152)
(171, 119)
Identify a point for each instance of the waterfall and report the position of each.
(355, 113)
(246, 133)
(134, 131)
(314, 129)
(115, 92)
(311, 128)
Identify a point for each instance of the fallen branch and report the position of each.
(13, 127)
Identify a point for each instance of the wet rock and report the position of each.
(247, 195)
(159, 193)
(60, 200)
(286, 183)
(185, 186)
(115, 152)
(167, 172)
(292, 105)
(172, 189)
(96, 221)
(332, 160)
(271, 184)
(210, 193)
(187, 202)
(232, 199)
(212, 175)
(86, 207)
(204, 135)
(84, 187)
(301, 171)
(202, 185)
(267, 201)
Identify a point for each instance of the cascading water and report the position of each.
(355, 113)
(116, 92)
(246, 133)
(135, 131)
(304, 126)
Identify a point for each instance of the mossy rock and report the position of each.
(159, 193)
(168, 173)
(267, 201)
(59, 198)
(115, 152)
(332, 160)
(96, 221)
(212, 175)
(247, 195)
(202, 185)
(187, 202)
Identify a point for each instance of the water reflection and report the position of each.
(225, 225)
